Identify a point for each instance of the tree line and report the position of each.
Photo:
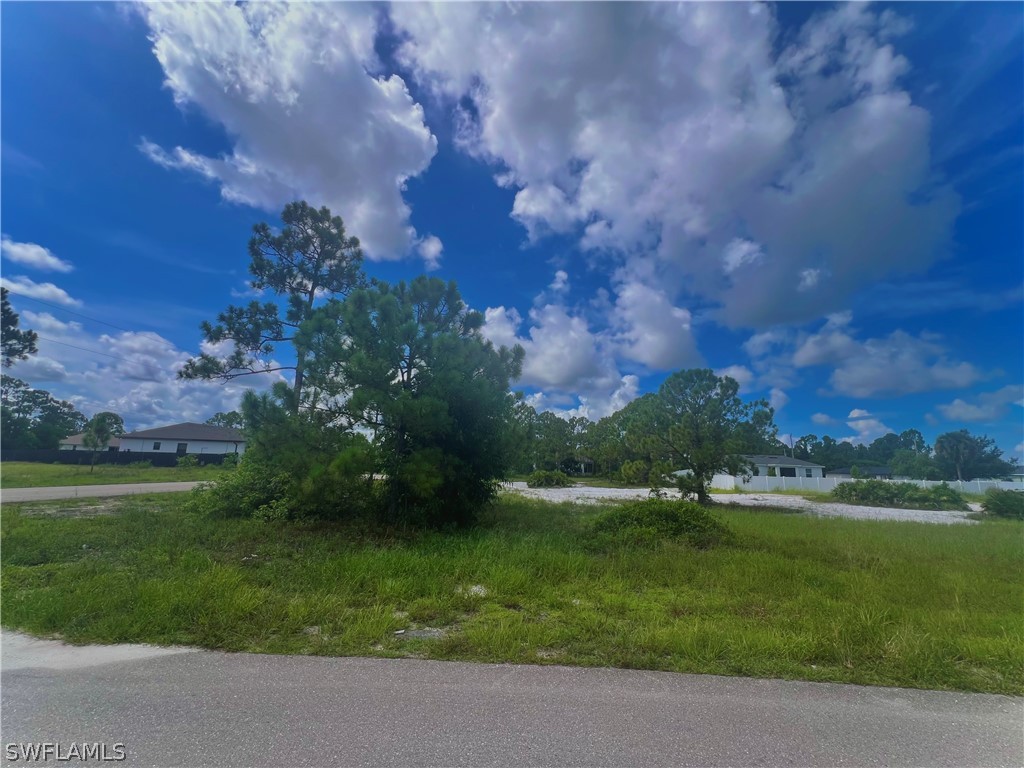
(399, 408)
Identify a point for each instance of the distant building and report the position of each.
(863, 471)
(74, 443)
(185, 438)
(782, 466)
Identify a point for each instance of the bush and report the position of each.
(649, 522)
(544, 479)
(230, 460)
(900, 495)
(252, 491)
(1001, 503)
(187, 461)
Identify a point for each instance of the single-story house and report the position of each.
(864, 471)
(185, 438)
(74, 443)
(782, 466)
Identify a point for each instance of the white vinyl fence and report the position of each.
(762, 483)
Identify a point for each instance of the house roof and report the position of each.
(78, 440)
(778, 461)
(189, 431)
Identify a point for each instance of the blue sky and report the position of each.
(823, 201)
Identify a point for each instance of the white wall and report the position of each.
(828, 483)
(136, 445)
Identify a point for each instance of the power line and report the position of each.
(83, 349)
(93, 319)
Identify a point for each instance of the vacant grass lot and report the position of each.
(24, 474)
(880, 603)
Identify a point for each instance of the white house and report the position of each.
(185, 438)
(782, 466)
(74, 443)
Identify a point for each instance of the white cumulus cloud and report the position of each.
(751, 168)
(896, 364)
(43, 291)
(33, 255)
(987, 407)
(299, 90)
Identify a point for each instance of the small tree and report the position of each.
(432, 390)
(99, 431)
(697, 422)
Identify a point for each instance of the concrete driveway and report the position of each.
(10, 495)
(214, 709)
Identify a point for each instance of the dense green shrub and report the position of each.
(649, 522)
(252, 491)
(1001, 503)
(900, 495)
(544, 479)
(188, 461)
(230, 460)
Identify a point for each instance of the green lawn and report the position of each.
(24, 474)
(880, 603)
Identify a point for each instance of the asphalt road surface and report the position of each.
(10, 495)
(201, 708)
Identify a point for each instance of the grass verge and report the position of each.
(24, 474)
(798, 597)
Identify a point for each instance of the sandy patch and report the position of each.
(18, 651)
(586, 495)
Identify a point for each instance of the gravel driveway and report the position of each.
(587, 495)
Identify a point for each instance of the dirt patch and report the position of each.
(70, 509)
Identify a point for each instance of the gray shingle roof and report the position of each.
(189, 431)
(778, 461)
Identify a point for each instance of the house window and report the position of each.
(787, 471)
(808, 472)
(182, 449)
(156, 446)
(757, 471)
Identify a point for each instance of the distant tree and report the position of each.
(100, 430)
(912, 440)
(916, 466)
(807, 448)
(963, 456)
(230, 419)
(883, 448)
(33, 418)
(696, 422)
(17, 344)
(312, 258)
(759, 435)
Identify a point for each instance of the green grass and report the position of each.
(799, 597)
(604, 482)
(24, 474)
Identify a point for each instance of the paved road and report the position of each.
(9, 495)
(213, 709)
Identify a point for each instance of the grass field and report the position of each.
(797, 597)
(24, 474)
